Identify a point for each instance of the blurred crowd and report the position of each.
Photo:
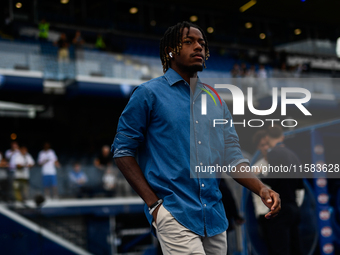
(242, 71)
(16, 164)
(259, 71)
(63, 43)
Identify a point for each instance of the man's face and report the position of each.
(46, 146)
(23, 150)
(273, 141)
(192, 54)
(263, 145)
(14, 146)
(77, 168)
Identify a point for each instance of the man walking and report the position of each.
(162, 125)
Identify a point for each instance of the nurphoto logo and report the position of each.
(238, 104)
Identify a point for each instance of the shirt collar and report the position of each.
(172, 76)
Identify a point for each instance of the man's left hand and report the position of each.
(272, 200)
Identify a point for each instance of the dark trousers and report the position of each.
(262, 223)
(228, 200)
(4, 190)
(283, 232)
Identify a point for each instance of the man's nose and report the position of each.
(198, 46)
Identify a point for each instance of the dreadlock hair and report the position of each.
(173, 38)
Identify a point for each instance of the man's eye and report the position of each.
(188, 42)
(203, 44)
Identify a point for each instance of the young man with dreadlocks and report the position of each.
(186, 213)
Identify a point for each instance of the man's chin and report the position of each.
(196, 68)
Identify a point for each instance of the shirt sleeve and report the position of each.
(13, 161)
(54, 156)
(8, 154)
(40, 158)
(30, 160)
(133, 123)
(232, 150)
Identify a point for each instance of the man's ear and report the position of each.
(167, 50)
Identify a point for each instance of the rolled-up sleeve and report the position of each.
(232, 150)
(133, 123)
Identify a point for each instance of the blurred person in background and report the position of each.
(78, 43)
(250, 79)
(262, 73)
(22, 161)
(10, 152)
(244, 83)
(251, 72)
(235, 72)
(243, 70)
(48, 161)
(78, 40)
(109, 182)
(262, 88)
(78, 180)
(104, 159)
(104, 162)
(63, 45)
(185, 213)
(284, 71)
(8, 156)
(260, 140)
(44, 28)
(283, 236)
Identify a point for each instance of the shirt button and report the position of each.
(201, 164)
(193, 102)
(202, 184)
(205, 205)
(196, 121)
(199, 142)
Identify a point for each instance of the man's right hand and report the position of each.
(134, 175)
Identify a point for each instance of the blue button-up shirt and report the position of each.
(163, 127)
